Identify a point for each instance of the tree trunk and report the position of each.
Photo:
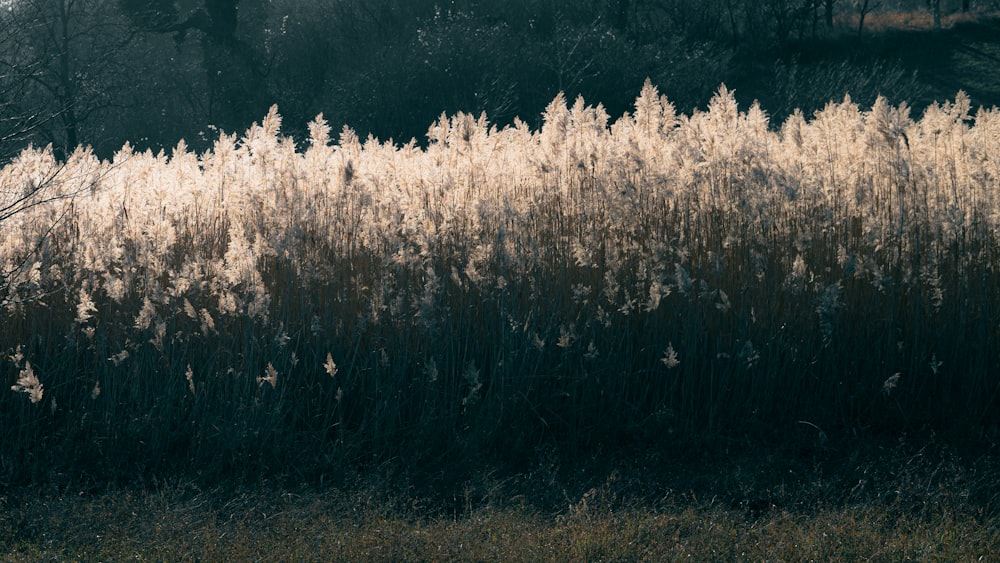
(234, 71)
(828, 12)
(937, 14)
(862, 12)
(965, 6)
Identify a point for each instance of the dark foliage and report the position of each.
(389, 67)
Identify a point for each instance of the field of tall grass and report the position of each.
(269, 308)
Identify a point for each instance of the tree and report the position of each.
(828, 6)
(68, 56)
(235, 68)
(21, 115)
(864, 7)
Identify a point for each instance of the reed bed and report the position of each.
(268, 307)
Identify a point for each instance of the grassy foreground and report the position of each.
(902, 503)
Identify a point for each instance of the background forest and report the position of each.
(100, 72)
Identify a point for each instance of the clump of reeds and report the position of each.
(595, 281)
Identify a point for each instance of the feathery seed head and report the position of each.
(669, 358)
(27, 382)
(270, 376)
(330, 366)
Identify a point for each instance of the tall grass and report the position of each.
(271, 308)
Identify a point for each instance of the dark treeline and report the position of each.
(100, 72)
